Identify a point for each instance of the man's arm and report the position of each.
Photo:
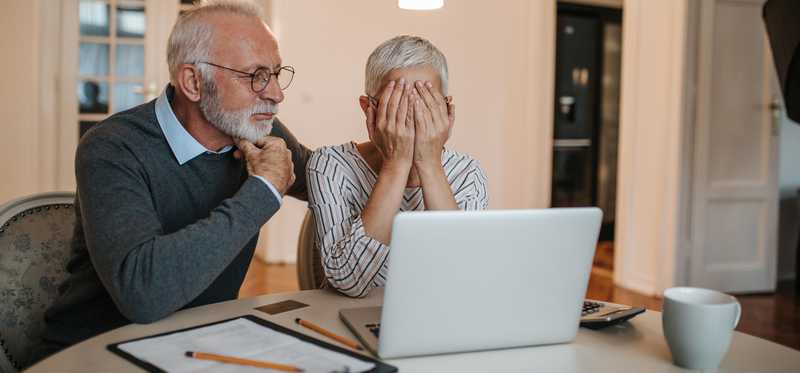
(148, 272)
(300, 155)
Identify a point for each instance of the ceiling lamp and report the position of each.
(420, 4)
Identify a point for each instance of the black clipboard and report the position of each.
(380, 367)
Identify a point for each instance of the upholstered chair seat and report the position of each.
(35, 233)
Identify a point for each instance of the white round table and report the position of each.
(636, 346)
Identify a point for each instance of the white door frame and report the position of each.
(758, 274)
(651, 191)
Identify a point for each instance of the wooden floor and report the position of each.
(775, 317)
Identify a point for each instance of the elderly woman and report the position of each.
(355, 190)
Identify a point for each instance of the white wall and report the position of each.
(652, 141)
(19, 99)
(500, 59)
(789, 214)
(29, 39)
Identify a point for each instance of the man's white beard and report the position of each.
(236, 124)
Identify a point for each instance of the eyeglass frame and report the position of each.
(252, 75)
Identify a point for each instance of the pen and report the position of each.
(240, 361)
(345, 341)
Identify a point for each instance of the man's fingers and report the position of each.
(262, 142)
(246, 147)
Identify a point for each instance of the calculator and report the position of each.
(597, 314)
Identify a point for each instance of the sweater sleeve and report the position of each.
(148, 272)
(354, 263)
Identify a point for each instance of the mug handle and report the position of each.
(738, 314)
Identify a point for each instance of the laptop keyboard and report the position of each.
(374, 328)
(589, 308)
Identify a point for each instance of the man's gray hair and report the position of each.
(401, 52)
(191, 38)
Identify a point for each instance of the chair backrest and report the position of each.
(35, 234)
(310, 274)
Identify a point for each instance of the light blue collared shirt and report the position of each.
(183, 145)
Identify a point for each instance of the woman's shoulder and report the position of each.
(455, 161)
(326, 158)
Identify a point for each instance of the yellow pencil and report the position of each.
(240, 361)
(345, 341)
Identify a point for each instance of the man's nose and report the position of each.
(272, 92)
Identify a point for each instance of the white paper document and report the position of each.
(244, 339)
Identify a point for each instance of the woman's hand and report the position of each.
(390, 128)
(434, 118)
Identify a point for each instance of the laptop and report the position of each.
(475, 280)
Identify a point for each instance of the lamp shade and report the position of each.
(420, 4)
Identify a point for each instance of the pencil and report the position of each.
(345, 341)
(240, 361)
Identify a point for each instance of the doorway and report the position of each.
(586, 115)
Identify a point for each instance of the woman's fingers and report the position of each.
(412, 97)
(402, 110)
(420, 120)
(435, 105)
(451, 113)
(371, 123)
(441, 101)
(425, 94)
(394, 102)
(382, 104)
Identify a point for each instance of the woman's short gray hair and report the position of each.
(401, 52)
(191, 38)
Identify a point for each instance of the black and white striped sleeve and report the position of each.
(354, 263)
(469, 184)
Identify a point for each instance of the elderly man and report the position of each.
(168, 212)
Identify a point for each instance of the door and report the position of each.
(735, 194)
(114, 58)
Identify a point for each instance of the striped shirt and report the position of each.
(339, 184)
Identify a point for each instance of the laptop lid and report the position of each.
(465, 281)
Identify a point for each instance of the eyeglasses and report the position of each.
(259, 79)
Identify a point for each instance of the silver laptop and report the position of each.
(465, 281)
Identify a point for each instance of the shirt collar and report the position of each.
(183, 145)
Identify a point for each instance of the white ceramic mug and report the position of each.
(698, 324)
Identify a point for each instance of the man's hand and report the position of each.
(434, 118)
(270, 159)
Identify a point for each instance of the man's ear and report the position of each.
(190, 82)
(363, 101)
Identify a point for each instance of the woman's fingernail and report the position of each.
(391, 83)
(429, 84)
(402, 81)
